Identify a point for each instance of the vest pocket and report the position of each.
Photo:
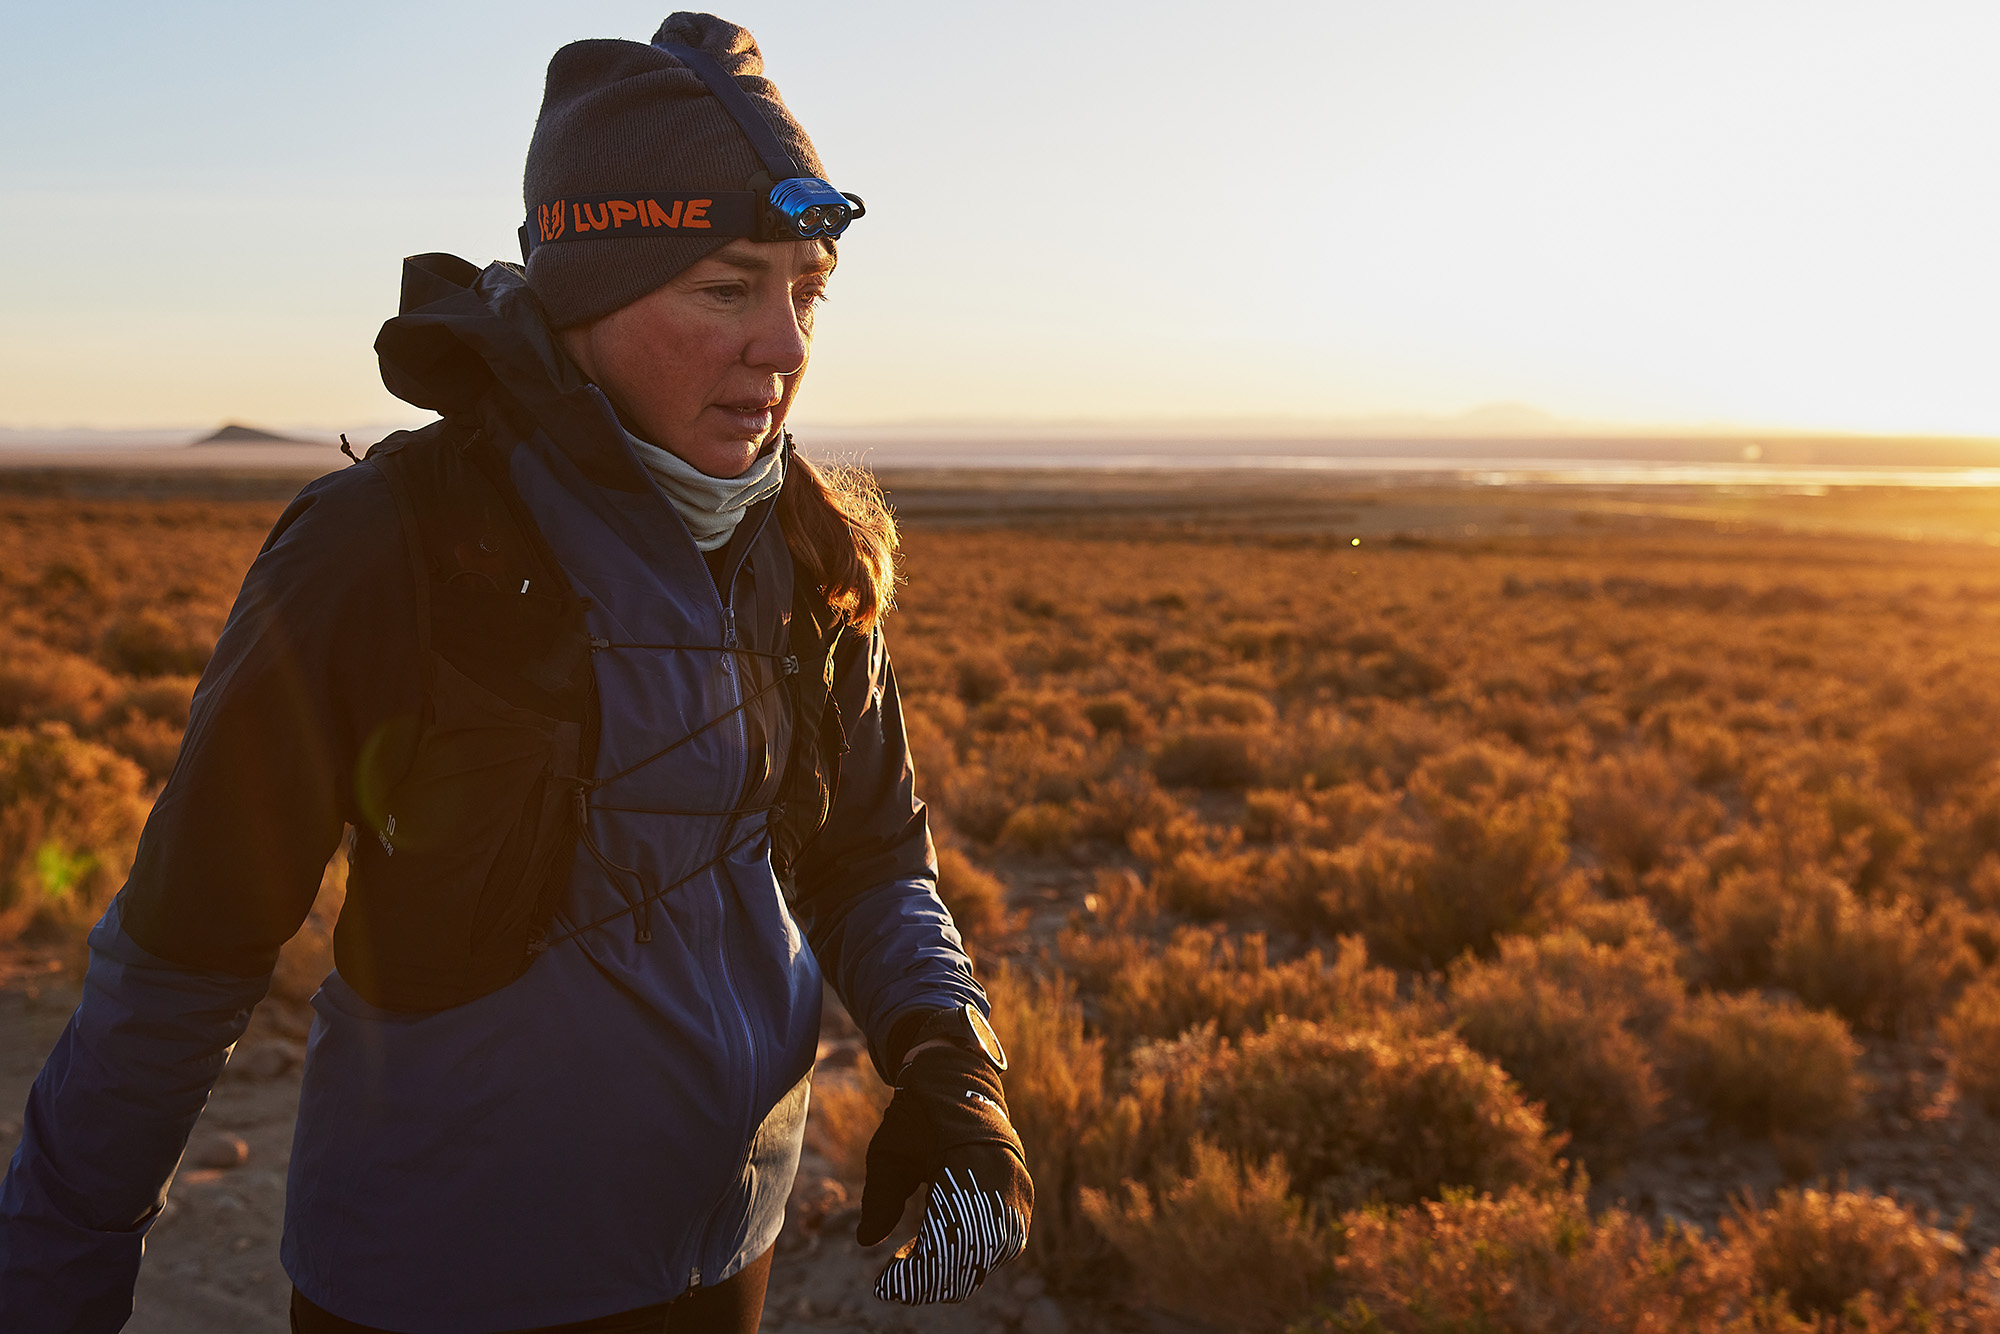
(441, 900)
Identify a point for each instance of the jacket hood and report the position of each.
(475, 342)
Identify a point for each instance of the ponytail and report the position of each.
(842, 537)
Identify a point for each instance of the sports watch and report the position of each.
(962, 1026)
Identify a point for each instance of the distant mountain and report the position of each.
(234, 433)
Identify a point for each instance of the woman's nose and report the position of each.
(780, 342)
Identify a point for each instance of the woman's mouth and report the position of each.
(753, 419)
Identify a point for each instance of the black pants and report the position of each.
(733, 1306)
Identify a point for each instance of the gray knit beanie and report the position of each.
(621, 117)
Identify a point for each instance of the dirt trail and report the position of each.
(212, 1260)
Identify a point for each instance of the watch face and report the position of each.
(982, 1033)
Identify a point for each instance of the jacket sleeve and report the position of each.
(318, 654)
(868, 884)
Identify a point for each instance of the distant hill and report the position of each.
(235, 433)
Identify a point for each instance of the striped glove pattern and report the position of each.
(947, 1126)
(966, 1234)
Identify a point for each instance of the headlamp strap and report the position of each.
(777, 158)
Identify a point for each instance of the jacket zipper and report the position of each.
(726, 597)
(729, 640)
(725, 601)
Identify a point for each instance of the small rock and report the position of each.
(217, 1151)
(1043, 1316)
(813, 1200)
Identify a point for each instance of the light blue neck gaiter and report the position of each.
(711, 506)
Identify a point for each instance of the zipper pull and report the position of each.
(729, 627)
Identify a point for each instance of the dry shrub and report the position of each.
(1117, 713)
(166, 698)
(1617, 922)
(1483, 856)
(1972, 1034)
(976, 900)
(1862, 1259)
(1559, 1015)
(1208, 884)
(1737, 924)
(1382, 744)
(1373, 1114)
(1112, 809)
(1227, 704)
(1315, 817)
(1883, 966)
(1039, 827)
(1931, 749)
(1631, 976)
(149, 642)
(929, 724)
(1272, 815)
(846, 1109)
(1011, 770)
(1203, 975)
(1634, 809)
(41, 684)
(1766, 1065)
(1524, 1263)
(1046, 712)
(1055, 1093)
(1712, 754)
(1228, 1244)
(152, 744)
(1676, 889)
(1211, 756)
(979, 676)
(70, 815)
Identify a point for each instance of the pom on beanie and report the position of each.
(623, 117)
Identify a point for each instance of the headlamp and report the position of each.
(798, 208)
(806, 207)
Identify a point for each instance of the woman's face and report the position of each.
(707, 365)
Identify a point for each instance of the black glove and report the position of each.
(947, 1125)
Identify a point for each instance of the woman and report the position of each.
(593, 669)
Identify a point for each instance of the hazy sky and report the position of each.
(1755, 212)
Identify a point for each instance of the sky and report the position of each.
(1762, 213)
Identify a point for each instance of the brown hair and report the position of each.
(842, 536)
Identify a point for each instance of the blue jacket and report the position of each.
(621, 1122)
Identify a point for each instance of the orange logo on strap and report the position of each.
(611, 215)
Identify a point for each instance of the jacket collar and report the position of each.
(464, 337)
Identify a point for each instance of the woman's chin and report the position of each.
(724, 458)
